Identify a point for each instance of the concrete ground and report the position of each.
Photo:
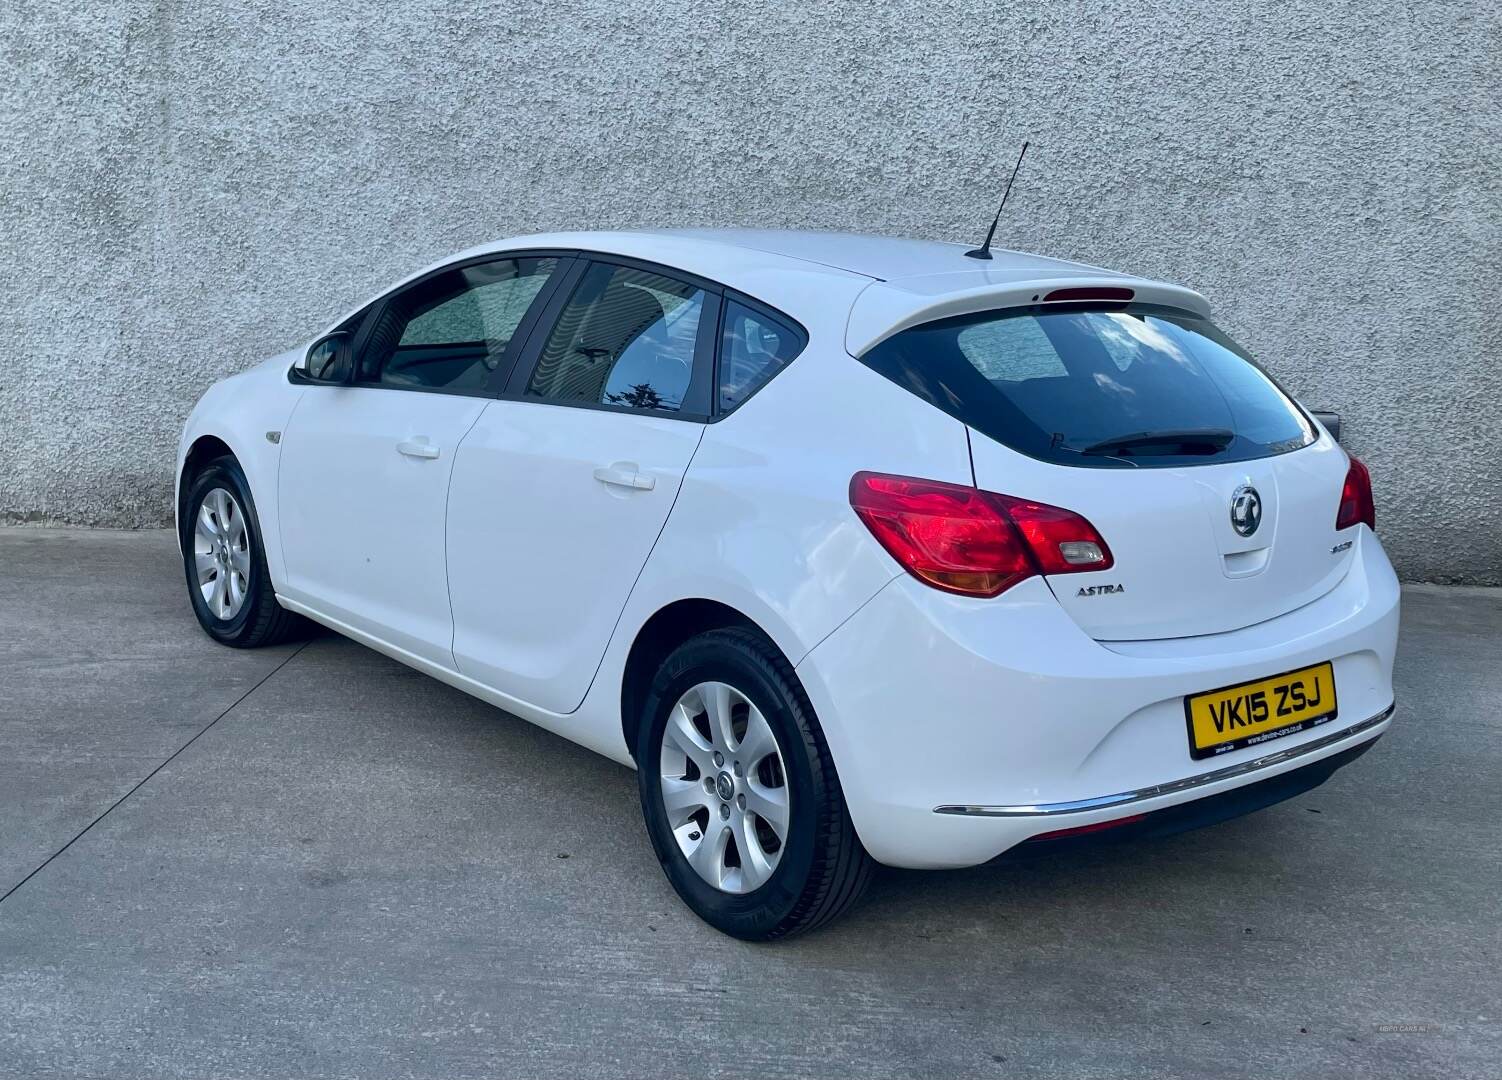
(325, 864)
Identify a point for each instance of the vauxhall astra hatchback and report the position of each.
(859, 550)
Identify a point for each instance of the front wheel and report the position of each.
(225, 561)
(740, 795)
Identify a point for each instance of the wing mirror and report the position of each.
(329, 361)
(1331, 420)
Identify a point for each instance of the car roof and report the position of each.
(885, 283)
(885, 258)
(880, 258)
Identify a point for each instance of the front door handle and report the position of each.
(626, 475)
(418, 448)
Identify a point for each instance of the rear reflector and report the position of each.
(1086, 292)
(1356, 505)
(972, 542)
(1081, 830)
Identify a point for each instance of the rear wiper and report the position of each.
(1186, 441)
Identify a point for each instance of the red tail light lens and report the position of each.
(1356, 505)
(1061, 541)
(976, 543)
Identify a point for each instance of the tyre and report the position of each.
(225, 561)
(739, 791)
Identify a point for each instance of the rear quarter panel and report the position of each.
(763, 521)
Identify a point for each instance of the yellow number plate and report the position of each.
(1254, 712)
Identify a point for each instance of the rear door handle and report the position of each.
(418, 448)
(624, 474)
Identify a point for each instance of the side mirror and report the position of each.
(1331, 420)
(327, 361)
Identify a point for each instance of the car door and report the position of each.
(562, 487)
(364, 474)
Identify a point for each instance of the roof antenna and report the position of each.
(984, 251)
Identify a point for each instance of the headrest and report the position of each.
(620, 316)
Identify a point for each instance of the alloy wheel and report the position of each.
(724, 787)
(221, 553)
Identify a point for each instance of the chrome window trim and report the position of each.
(1122, 798)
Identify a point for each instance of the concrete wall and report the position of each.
(187, 187)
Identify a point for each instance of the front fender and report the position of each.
(245, 412)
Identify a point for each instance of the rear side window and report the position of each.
(755, 347)
(1128, 386)
(627, 338)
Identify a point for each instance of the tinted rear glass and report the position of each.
(1127, 386)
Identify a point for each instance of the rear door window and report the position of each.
(1128, 386)
(627, 338)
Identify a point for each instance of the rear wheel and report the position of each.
(739, 792)
(225, 561)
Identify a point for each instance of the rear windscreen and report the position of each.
(1132, 385)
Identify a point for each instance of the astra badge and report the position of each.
(1101, 590)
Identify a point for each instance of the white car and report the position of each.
(860, 550)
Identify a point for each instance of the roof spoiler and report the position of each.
(885, 308)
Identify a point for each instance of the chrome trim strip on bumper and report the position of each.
(1101, 802)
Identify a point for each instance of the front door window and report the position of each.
(453, 331)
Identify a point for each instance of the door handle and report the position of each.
(626, 475)
(418, 448)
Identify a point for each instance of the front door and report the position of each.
(365, 468)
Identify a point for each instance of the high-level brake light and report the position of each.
(1081, 293)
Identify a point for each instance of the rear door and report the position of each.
(561, 489)
(365, 468)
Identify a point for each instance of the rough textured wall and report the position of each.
(187, 187)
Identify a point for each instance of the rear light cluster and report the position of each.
(976, 543)
(1356, 505)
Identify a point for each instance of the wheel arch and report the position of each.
(667, 628)
(204, 449)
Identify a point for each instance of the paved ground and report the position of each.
(358, 872)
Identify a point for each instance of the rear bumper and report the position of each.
(1127, 800)
(1198, 813)
(962, 728)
